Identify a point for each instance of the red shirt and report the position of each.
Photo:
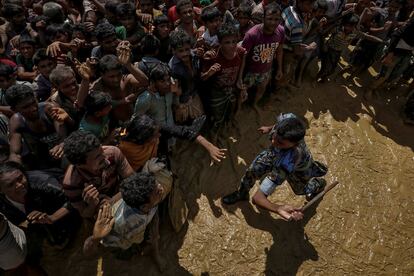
(227, 76)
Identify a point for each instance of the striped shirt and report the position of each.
(294, 24)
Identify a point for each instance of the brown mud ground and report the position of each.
(362, 227)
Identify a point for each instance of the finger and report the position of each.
(99, 218)
(112, 222)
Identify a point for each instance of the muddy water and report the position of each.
(362, 227)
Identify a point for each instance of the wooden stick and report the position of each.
(316, 198)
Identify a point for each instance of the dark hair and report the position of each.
(137, 188)
(104, 30)
(25, 38)
(111, 5)
(291, 129)
(350, 19)
(161, 19)
(41, 55)
(11, 10)
(53, 30)
(227, 30)
(159, 72)
(125, 10)
(208, 14)
(77, 146)
(320, 4)
(150, 44)
(272, 8)
(10, 166)
(140, 129)
(178, 38)
(82, 29)
(17, 93)
(96, 101)
(108, 63)
(6, 70)
(182, 3)
(245, 9)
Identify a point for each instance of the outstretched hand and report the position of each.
(84, 69)
(217, 154)
(104, 222)
(124, 52)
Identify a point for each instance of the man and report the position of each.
(288, 158)
(95, 172)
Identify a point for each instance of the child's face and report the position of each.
(271, 21)
(163, 86)
(243, 19)
(163, 30)
(213, 25)
(27, 50)
(183, 53)
(128, 22)
(6, 82)
(229, 44)
(69, 88)
(45, 67)
(146, 6)
(186, 14)
(109, 44)
(112, 78)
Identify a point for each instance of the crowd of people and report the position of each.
(95, 93)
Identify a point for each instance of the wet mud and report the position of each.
(364, 226)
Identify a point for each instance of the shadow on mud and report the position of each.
(291, 246)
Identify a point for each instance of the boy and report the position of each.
(263, 43)
(224, 70)
(132, 218)
(94, 174)
(35, 138)
(24, 59)
(44, 65)
(343, 34)
(244, 18)
(128, 18)
(185, 67)
(97, 106)
(150, 48)
(288, 158)
(157, 102)
(162, 29)
(294, 24)
(185, 11)
(211, 17)
(140, 141)
(107, 41)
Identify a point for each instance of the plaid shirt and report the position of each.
(294, 24)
